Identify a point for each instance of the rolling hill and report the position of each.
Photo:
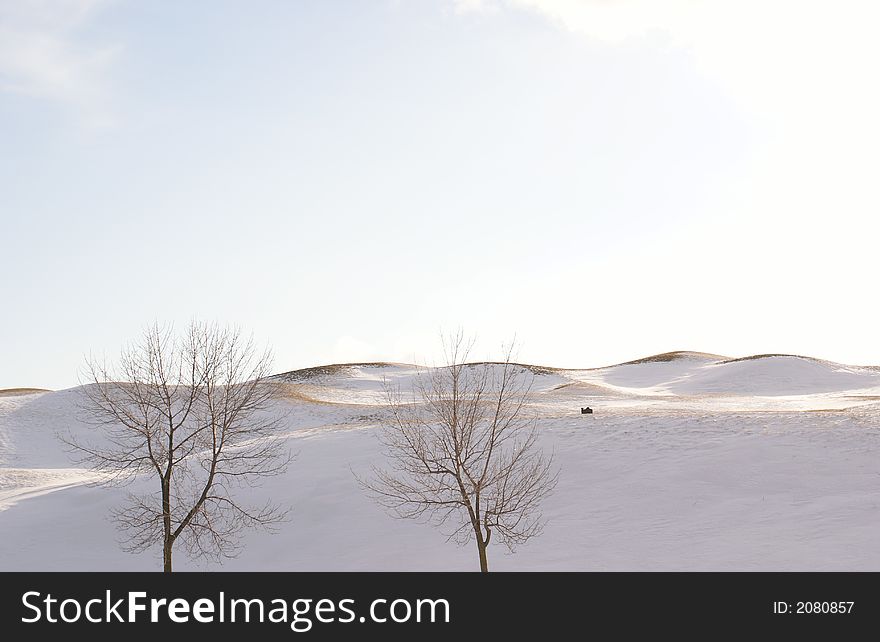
(691, 461)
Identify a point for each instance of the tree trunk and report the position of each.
(167, 540)
(478, 531)
(166, 557)
(484, 563)
(481, 547)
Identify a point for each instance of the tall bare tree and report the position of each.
(193, 411)
(462, 453)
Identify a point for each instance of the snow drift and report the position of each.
(691, 461)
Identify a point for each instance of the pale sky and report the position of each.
(606, 179)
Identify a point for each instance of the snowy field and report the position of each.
(690, 462)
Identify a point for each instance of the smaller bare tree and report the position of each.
(194, 412)
(463, 455)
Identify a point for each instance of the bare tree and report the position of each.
(463, 455)
(193, 411)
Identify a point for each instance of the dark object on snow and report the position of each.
(587, 411)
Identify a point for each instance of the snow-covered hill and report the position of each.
(691, 461)
(793, 382)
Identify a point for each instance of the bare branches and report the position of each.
(194, 411)
(462, 453)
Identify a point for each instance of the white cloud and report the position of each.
(474, 6)
(613, 20)
(41, 55)
(802, 70)
(769, 54)
(348, 349)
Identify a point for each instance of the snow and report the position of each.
(775, 376)
(647, 378)
(17, 484)
(692, 463)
